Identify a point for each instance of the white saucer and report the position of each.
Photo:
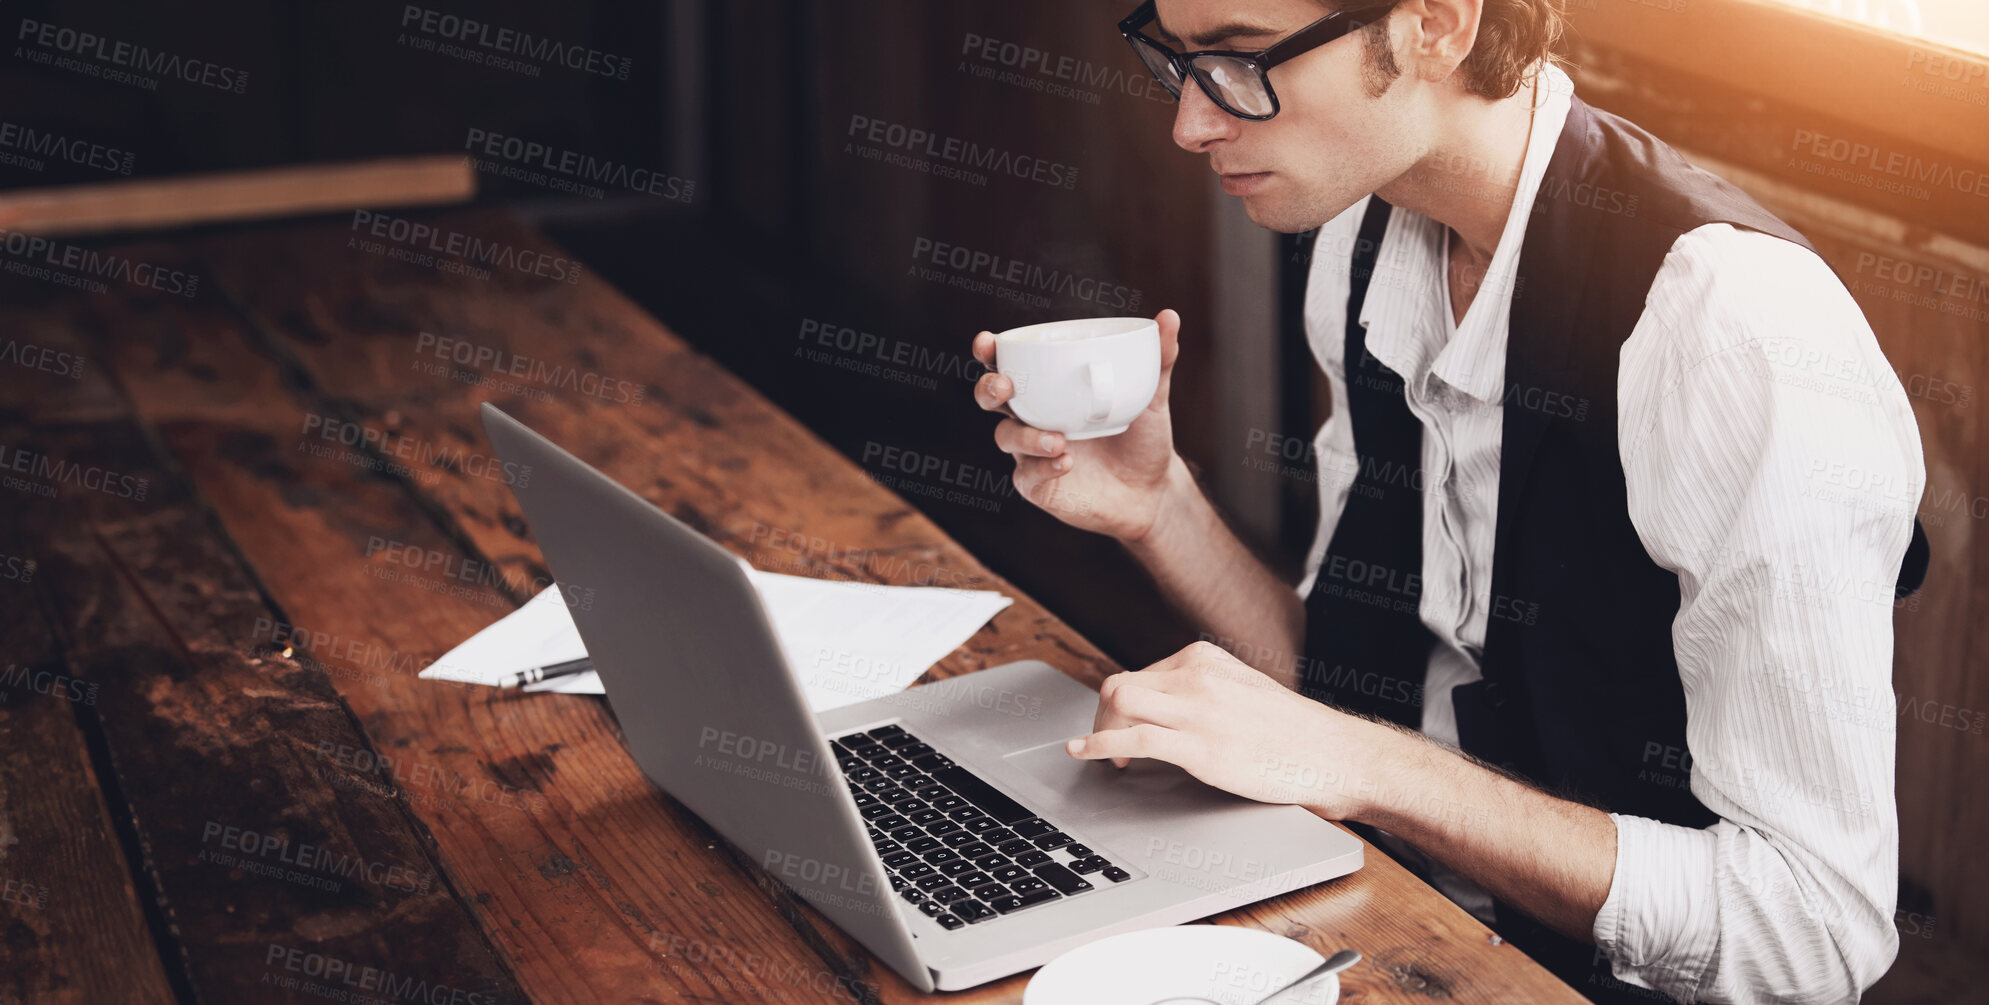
(1183, 965)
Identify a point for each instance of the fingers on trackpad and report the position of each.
(1095, 786)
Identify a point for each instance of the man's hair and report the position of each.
(1513, 35)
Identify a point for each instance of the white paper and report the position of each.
(847, 642)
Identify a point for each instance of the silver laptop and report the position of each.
(942, 826)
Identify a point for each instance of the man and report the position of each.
(1614, 496)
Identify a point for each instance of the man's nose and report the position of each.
(1198, 122)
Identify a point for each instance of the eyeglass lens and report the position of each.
(1161, 66)
(1237, 84)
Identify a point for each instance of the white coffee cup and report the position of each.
(1084, 378)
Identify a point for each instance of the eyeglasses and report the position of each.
(1238, 82)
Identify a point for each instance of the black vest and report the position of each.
(1580, 690)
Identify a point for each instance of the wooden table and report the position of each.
(219, 776)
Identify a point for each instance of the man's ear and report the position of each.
(1438, 35)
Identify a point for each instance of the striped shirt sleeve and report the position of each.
(1772, 461)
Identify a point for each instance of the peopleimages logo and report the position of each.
(876, 355)
(1921, 285)
(1036, 69)
(527, 154)
(108, 52)
(425, 456)
(1587, 196)
(74, 265)
(331, 646)
(936, 468)
(14, 568)
(24, 893)
(416, 239)
(818, 873)
(399, 555)
(418, 781)
(51, 683)
(709, 964)
(489, 362)
(278, 848)
(342, 980)
(826, 884)
(1832, 150)
(48, 470)
(907, 146)
(36, 357)
(1013, 279)
(504, 42)
(810, 552)
(1954, 77)
(30, 148)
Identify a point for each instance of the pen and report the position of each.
(536, 674)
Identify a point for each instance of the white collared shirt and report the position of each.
(1772, 461)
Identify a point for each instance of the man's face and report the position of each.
(1344, 128)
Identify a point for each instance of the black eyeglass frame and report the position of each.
(1330, 28)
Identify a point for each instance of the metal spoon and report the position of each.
(1334, 964)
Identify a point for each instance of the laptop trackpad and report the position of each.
(1089, 787)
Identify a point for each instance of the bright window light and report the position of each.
(1963, 24)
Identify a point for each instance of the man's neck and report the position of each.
(1469, 182)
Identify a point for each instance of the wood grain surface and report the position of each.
(256, 622)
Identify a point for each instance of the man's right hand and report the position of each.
(1113, 485)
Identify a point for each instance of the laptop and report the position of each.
(942, 826)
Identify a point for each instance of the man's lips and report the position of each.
(1244, 182)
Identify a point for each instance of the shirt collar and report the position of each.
(1473, 360)
(1404, 307)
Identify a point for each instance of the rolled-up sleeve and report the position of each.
(1772, 461)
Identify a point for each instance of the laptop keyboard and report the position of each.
(952, 843)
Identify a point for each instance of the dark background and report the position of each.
(783, 225)
(751, 103)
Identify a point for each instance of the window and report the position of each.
(1963, 24)
(1759, 84)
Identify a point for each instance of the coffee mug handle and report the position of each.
(1100, 374)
